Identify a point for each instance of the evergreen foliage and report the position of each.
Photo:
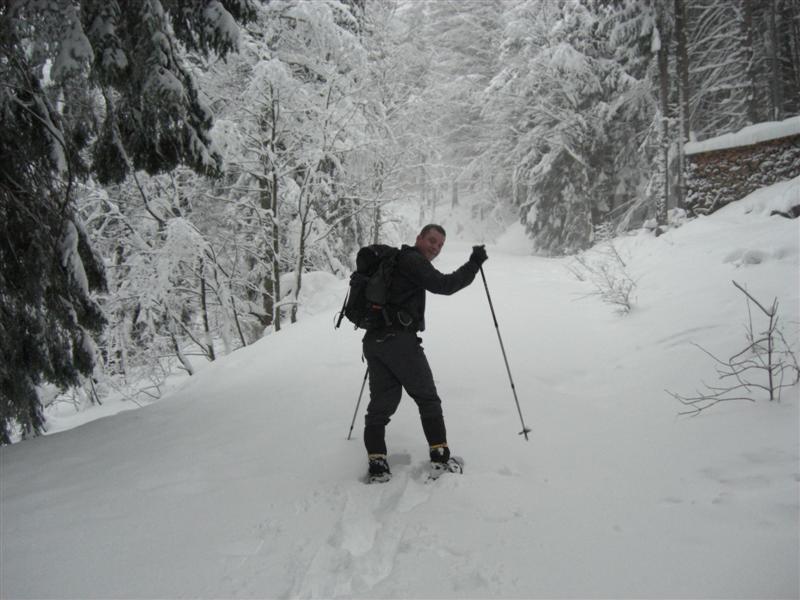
(84, 78)
(47, 314)
(557, 102)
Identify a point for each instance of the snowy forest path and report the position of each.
(362, 544)
(242, 483)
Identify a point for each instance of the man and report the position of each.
(395, 358)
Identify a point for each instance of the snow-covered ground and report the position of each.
(747, 136)
(241, 483)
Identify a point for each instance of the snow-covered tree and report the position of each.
(744, 63)
(291, 136)
(555, 109)
(171, 273)
(570, 113)
(467, 38)
(87, 88)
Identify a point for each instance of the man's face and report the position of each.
(430, 243)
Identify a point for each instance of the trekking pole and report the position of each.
(361, 393)
(525, 431)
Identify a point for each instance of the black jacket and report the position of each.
(414, 275)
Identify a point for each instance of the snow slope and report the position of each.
(241, 483)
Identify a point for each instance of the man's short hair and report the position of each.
(433, 226)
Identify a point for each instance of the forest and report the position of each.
(172, 170)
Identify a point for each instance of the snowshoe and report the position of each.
(453, 464)
(379, 478)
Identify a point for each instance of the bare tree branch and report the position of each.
(755, 368)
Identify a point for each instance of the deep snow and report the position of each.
(747, 136)
(240, 483)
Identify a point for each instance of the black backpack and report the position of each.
(366, 303)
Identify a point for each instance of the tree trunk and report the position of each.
(179, 353)
(269, 202)
(219, 291)
(377, 213)
(423, 190)
(122, 353)
(682, 64)
(298, 279)
(663, 76)
(268, 284)
(276, 255)
(789, 57)
(204, 310)
(750, 59)
(236, 320)
(301, 257)
(376, 224)
(776, 100)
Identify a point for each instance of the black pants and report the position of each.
(396, 360)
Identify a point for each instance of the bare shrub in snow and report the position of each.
(608, 273)
(765, 366)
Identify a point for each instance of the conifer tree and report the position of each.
(555, 102)
(89, 87)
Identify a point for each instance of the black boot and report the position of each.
(378, 469)
(440, 453)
